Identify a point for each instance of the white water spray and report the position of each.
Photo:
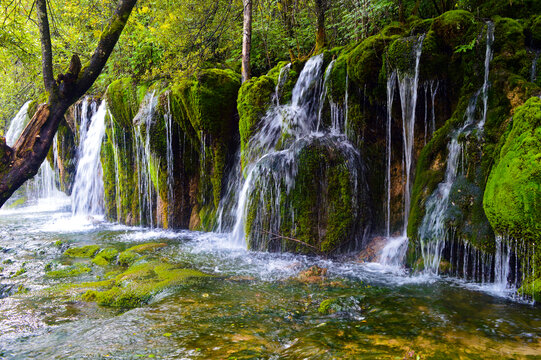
(87, 194)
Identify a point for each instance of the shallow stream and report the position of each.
(252, 307)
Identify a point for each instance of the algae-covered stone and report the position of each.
(295, 212)
(453, 28)
(512, 199)
(121, 96)
(87, 251)
(148, 247)
(253, 101)
(105, 256)
(70, 271)
(137, 285)
(126, 258)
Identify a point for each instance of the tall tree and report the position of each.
(246, 40)
(321, 39)
(22, 162)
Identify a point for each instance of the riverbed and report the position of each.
(253, 306)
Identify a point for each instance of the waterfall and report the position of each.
(271, 162)
(486, 85)
(17, 124)
(87, 194)
(501, 264)
(147, 165)
(43, 184)
(395, 249)
(282, 78)
(391, 83)
(433, 230)
(533, 75)
(296, 118)
(168, 119)
(408, 87)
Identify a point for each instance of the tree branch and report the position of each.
(46, 49)
(105, 46)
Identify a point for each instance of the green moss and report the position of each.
(400, 54)
(139, 283)
(327, 307)
(508, 35)
(535, 31)
(532, 289)
(87, 251)
(512, 199)
(454, 28)
(126, 258)
(148, 247)
(365, 62)
(121, 96)
(253, 100)
(105, 257)
(321, 215)
(70, 271)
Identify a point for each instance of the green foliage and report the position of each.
(466, 47)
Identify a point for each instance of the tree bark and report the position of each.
(22, 162)
(321, 38)
(246, 40)
(46, 48)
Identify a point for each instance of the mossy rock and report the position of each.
(70, 271)
(148, 247)
(512, 199)
(105, 256)
(123, 101)
(531, 288)
(126, 258)
(535, 31)
(365, 62)
(253, 100)
(137, 285)
(454, 28)
(87, 251)
(508, 35)
(323, 210)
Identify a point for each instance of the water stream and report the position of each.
(251, 308)
(87, 194)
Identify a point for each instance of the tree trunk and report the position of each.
(246, 40)
(23, 161)
(321, 39)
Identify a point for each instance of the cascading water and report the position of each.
(394, 251)
(408, 87)
(271, 164)
(17, 125)
(391, 83)
(43, 184)
(486, 84)
(433, 230)
(533, 75)
(147, 165)
(87, 194)
(168, 120)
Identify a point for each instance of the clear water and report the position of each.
(251, 308)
